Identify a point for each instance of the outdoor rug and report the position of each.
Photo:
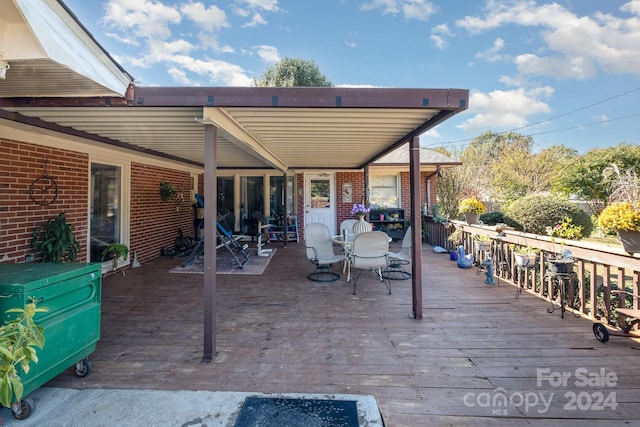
(278, 412)
(225, 264)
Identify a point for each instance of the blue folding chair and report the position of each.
(238, 252)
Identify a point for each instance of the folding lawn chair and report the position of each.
(227, 239)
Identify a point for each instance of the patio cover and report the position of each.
(206, 127)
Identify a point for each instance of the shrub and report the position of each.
(536, 213)
(493, 218)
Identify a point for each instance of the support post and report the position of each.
(210, 215)
(416, 226)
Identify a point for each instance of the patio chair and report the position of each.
(347, 224)
(370, 253)
(397, 260)
(319, 246)
(228, 240)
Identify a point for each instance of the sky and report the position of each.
(564, 72)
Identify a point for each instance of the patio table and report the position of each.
(345, 241)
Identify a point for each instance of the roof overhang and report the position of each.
(49, 53)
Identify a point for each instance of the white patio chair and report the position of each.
(397, 260)
(370, 253)
(319, 246)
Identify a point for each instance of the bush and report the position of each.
(493, 218)
(536, 213)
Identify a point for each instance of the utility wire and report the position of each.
(557, 117)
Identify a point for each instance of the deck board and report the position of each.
(280, 333)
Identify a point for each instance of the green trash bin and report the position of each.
(72, 294)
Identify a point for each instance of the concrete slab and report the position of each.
(65, 407)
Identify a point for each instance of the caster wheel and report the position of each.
(83, 368)
(21, 410)
(601, 332)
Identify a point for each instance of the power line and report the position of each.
(557, 117)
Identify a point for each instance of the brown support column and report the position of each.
(365, 200)
(416, 223)
(284, 208)
(210, 215)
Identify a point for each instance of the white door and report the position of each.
(319, 200)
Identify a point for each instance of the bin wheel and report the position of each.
(83, 368)
(21, 410)
(601, 332)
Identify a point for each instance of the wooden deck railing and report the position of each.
(597, 270)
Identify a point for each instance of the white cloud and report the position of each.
(218, 72)
(180, 76)
(267, 53)
(493, 53)
(421, 10)
(501, 110)
(256, 19)
(418, 9)
(439, 35)
(574, 46)
(266, 5)
(144, 18)
(209, 19)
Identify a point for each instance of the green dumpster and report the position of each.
(72, 293)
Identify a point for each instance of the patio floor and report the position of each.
(476, 347)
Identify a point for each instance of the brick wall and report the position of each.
(20, 164)
(357, 184)
(406, 189)
(155, 223)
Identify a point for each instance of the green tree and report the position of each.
(584, 177)
(520, 172)
(290, 72)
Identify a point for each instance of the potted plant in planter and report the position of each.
(623, 214)
(471, 208)
(526, 256)
(56, 240)
(167, 191)
(115, 251)
(624, 219)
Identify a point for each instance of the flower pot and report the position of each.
(472, 218)
(561, 266)
(525, 259)
(630, 241)
(453, 256)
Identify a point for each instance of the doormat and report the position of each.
(225, 264)
(278, 412)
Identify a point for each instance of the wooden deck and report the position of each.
(279, 332)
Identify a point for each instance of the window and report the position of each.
(384, 192)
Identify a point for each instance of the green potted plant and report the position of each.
(18, 339)
(167, 191)
(623, 214)
(56, 240)
(471, 208)
(115, 251)
(624, 219)
(526, 256)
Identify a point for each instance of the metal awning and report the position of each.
(280, 128)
